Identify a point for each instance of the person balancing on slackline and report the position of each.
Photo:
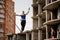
(23, 19)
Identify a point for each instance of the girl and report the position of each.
(23, 19)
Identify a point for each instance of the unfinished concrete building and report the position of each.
(46, 21)
(46, 18)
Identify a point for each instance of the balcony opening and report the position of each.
(48, 15)
(30, 37)
(49, 31)
(35, 23)
(49, 1)
(43, 6)
(52, 31)
(58, 31)
(55, 13)
(58, 13)
(43, 20)
(35, 11)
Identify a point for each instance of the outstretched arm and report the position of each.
(18, 15)
(28, 11)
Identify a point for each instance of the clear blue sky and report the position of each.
(21, 5)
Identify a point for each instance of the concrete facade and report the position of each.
(48, 18)
(7, 18)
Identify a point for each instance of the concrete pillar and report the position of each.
(34, 35)
(27, 36)
(46, 32)
(39, 31)
(51, 0)
(39, 35)
(47, 18)
(39, 22)
(14, 36)
(48, 15)
(39, 8)
(39, 12)
(47, 1)
(11, 38)
(51, 16)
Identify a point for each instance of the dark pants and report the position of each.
(23, 22)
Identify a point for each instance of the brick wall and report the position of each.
(10, 17)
